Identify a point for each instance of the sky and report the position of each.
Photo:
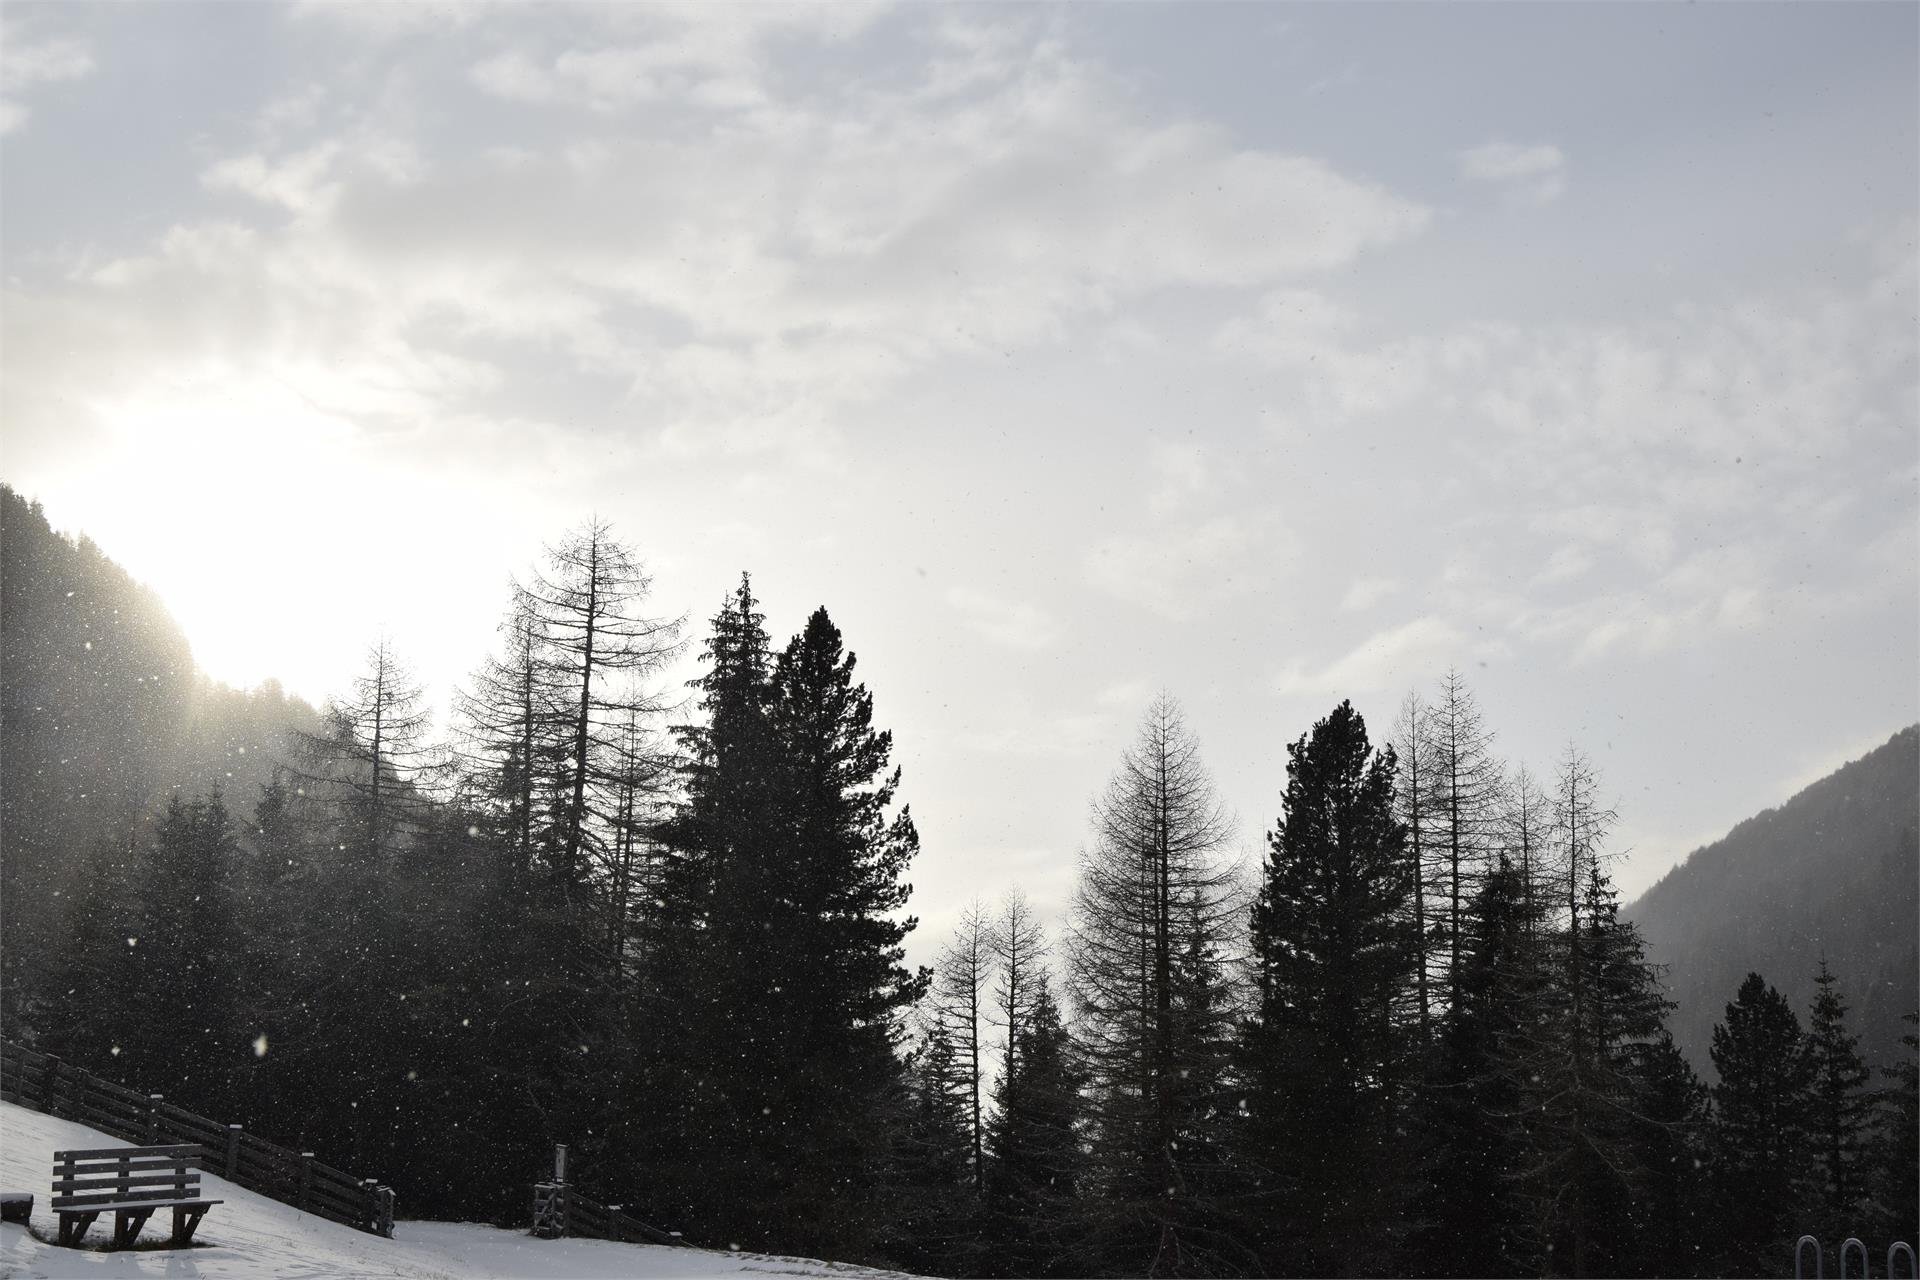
(1264, 354)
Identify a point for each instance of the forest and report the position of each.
(1416, 1035)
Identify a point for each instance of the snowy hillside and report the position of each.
(250, 1237)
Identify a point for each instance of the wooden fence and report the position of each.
(560, 1210)
(47, 1084)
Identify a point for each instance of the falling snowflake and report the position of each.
(260, 1045)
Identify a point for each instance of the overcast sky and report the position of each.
(1267, 354)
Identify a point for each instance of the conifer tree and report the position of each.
(1673, 1213)
(1897, 1146)
(1333, 954)
(1841, 1120)
(372, 764)
(932, 1219)
(1462, 807)
(599, 652)
(1152, 882)
(1477, 1119)
(1411, 737)
(1760, 1139)
(1020, 952)
(179, 1026)
(88, 1013)
(1034, 1170)
(961, 979)
(720, 883)
(782, 898)
(1527, 839)
(838, 939)
(509, 720)
(1595, 1181)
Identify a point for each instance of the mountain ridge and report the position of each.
(1833, 871)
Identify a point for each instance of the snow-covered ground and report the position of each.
(251, 1237)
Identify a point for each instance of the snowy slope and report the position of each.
(250, 1237)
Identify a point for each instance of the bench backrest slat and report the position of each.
(111, 1174)
(188, 1149)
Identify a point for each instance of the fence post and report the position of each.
(153, 1118)
(49, 1086)
(233, 1151)
(306, 1176)
(384, 1201)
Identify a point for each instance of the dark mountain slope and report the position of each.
(1834, 869)
(102, 715)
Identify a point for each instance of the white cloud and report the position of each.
(1364, 593)
(747, 259)
(29, 61)
(1011, 624)
(1175, 571)
(1399, 657)
(1183, 473)
(1527, 174)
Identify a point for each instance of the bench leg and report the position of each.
(184, 1222)
(73, 1226)
(127, 1224)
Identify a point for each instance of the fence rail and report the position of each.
(45, 1083)
(560, 1210)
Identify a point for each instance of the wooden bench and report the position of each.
(131, 1183)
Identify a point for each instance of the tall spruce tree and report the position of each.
(1591, 1178)
(1896, 1148)
(932, 1219)
(1334, 952)
(838, 938)
(1673, 1212)
(1760, 1132)
(179, 1025)
(1477, 1122)
(1841, 1121)
(1034, 1171)
(1153, 882)
(781, 951)
(707, 992)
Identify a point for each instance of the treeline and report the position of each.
(1418, 1038)
(677, 950)
(1423, 1041)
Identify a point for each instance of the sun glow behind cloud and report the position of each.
(253, 513)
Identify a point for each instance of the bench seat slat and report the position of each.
(98, 1204)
